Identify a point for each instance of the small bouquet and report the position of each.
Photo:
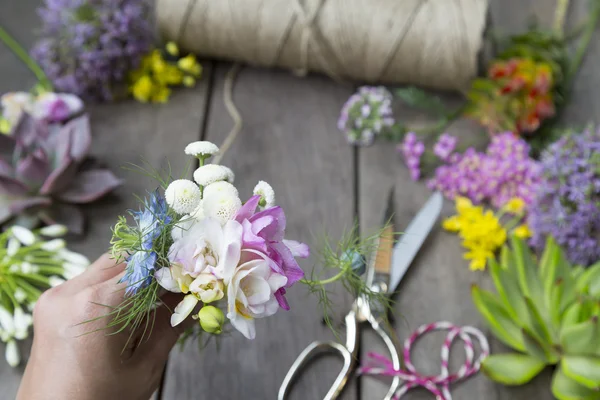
(229, 259)
(29, 264)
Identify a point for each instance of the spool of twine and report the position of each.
(432, 43)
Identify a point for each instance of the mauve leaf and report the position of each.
(89, 186)
(81, 136)
(65, 214)
(32, 170)
(7, 146)
(60, 177)
(59, 145)
(11, 186)
(14, 205)
(28, 131)
(5, 168)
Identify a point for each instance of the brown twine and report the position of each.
(433, 43)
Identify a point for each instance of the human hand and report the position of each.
(71, 360)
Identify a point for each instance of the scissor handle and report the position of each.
(348, 353)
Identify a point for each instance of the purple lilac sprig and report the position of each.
(366, 114)
(88, 47)
(503, 172)
(412, 150)
(568, 202)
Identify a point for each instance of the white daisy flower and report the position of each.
(183, 196)
(266, 193)
(221, 188)
(222, 207)
(201, 149)
(212, 173)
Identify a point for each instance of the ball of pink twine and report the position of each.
(438, 385)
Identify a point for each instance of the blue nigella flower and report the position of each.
(150, 221)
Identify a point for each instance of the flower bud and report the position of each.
(12, 354)
(55, 230)
(211, 319)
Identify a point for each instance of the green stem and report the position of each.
(560, 15)
(324, 281)
(27, 60)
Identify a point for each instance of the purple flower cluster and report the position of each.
(366, 114)
(412, 150)
(504, 171)
(445, 146)
(88, 47)
(568, 202)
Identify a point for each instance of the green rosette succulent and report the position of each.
(547, 310)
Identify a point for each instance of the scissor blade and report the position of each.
(413, 238)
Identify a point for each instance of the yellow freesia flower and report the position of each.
(516, 206)
(190, 65)
(189, 81)
(522, 231)
(172, 49)
(161, 94)
(478, 258)
(142, 89)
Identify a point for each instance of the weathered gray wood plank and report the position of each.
(289, 139)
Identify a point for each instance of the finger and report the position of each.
(103, 269)
(163, 336)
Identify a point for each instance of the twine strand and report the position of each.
(232, 110)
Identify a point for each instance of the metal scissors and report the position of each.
(384, 272)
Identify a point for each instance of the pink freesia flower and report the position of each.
(263, 238)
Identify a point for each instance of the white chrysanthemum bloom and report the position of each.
(198, 213)
(183, 196)
(23, 235)
(201, 149)
(221, 188)
(54, 245)
(266, 193)
(221, 207)
(211, 173)
(55, 230)
(54, 281)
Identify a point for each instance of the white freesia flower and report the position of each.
(207, 247)
(173, 279)
(182, 226)
(54, 281)
(55, 230)
(13, 358)
(221, 207)
(221, 188)
(13, 246)
(207, 288)
(201, 148)
(183, 309)
(250, 294)
(73, 258)
(183, 196)
(24, 235)
(54, 245)
(20, 295)
(211, 173)
(266, 193)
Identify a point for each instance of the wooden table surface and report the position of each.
(290, 140)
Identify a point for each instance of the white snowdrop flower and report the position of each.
(183, 196)
(31, 306)
(7, 325)
(266, 193)
(221, 207)
(211, 173)
(74, 258)
(55, 230)
(221, 188)
(13, 358)
(20, 295)
(72, 270)
(54, 280)
(24, 235)
(13, 246)
(201, 149)
(22, 322)
(54, 245)
(26, 267)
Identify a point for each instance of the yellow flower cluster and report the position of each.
(481, 230)
(160, 70)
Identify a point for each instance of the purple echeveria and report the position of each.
(412, 150)
(88, 47)
(503, 172)
(40, 174)
(366, 114)
(568, 202)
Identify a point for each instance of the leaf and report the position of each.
(33, 170)
(60, 177)
(582, 338)
(538, 325)
(512, 369)
(497, 318)
(584, 370)
(537, 349)
(526, 272)
(89, 186)
(556, 297)
(548, 266)
(591, 274)
(508, 289)
(422, 100)
(572, 315)
(564, 388)
(81, 137)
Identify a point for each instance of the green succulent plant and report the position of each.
(548, 311)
